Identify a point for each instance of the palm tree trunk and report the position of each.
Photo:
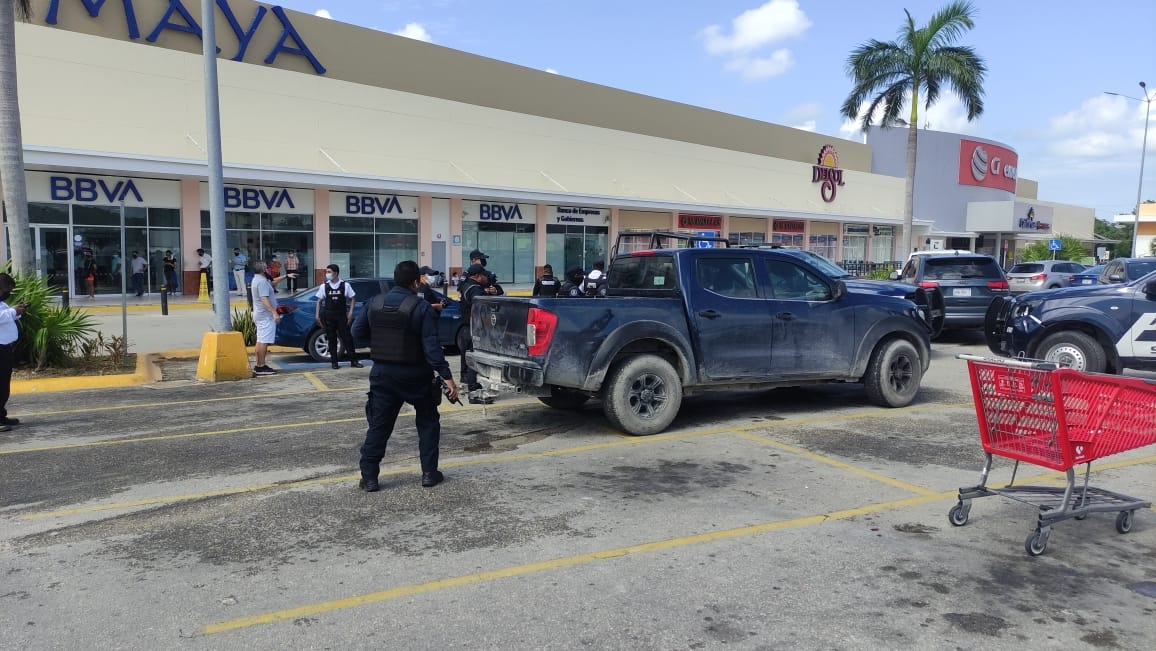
(12, 146)
(903, 245)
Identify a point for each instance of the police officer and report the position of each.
(426, 292)
(546, 285)
(475, 285)
(492, 286)
(572, 287)
(403, 343)
(595, 280)
(335, 301)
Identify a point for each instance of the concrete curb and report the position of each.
(146, 372)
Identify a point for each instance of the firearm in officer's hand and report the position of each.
(446, 390)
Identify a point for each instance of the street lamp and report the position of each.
(1147, 101)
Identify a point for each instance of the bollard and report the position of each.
(249, 296)
(164, 300)
(64, 298)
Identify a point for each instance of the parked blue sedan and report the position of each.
(298, 327)
(1089, 276)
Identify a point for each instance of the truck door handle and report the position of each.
(785, 316)
(710, 314)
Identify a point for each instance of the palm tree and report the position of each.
(11, 142)
(924, 61)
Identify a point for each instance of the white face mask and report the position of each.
(329, 276)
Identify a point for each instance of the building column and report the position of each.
(612, 236)
(725, 227)
(674, 221)
(455, 251)
(190, 236)
(321, 251)
(540, 239)
(424, 230)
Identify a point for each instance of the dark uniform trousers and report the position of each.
(390, 387)
(337, 326)
(6, 357)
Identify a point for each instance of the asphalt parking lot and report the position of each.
(225, 516)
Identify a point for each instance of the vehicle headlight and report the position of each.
(1020, 310)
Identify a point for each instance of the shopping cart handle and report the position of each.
(1015, 362)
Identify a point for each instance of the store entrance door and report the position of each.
(53, 261)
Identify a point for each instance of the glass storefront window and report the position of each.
(824, 245)
(47, 213)
(262, 235)
(569, 246)
(359, 256)
(747, 239)
(510, 247)
(164, 218)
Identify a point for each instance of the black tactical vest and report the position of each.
(392, 339)
(335, 299)
(548, 286)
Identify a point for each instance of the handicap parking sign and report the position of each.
(1055, 245)
(704, 244)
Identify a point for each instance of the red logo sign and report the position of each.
(709, 222)
(827, 172)
(987, 165)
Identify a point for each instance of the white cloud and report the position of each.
(809, 125)
(323, 13)
(753, 30)
(416, 32)
(755, 68)
(1102, 127)
(773, 21)
(948, 114)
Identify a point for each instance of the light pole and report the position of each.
(1147, 101)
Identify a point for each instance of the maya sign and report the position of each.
(987, 165)
(176, 17)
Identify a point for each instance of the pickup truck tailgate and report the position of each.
(499, 326)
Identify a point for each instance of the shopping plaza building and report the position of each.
(362, 148)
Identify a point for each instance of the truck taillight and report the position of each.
(539, 330)
(928, 284)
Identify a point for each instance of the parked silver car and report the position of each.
(1042, 274)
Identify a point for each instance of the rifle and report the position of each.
(445, 388)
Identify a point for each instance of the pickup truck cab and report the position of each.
(683, 321)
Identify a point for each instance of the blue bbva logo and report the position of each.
(498, 212)
(256, 199)
(86, 190)
(371, 205)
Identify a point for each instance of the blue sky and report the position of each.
(783, 61)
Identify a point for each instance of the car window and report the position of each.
(642, 272)
(366, 289)
(733, 277)
(961, 268)
(1026, 269)
(790, 282)
(1140, 269)
(909, 271)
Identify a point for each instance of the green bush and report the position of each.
(1071, 249)
(244, 324)
(48, 333)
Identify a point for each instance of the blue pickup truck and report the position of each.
(682, 321)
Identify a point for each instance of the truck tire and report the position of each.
(1073, 349)
(560, 398)
(894, 374)
(642, 395)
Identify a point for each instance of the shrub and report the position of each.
(48, 333)
(244, 324)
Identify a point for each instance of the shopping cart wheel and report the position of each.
(1037, 542)
(1124, 521)
(958, 514)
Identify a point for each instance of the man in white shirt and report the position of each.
(9, 333)
(240, 261)
(264, 314)
(335, 301)
(594, 279)
(139, 266)
(206, 264)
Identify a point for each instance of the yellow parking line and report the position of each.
(172, 403)
(315, 381)
(554, 564)
(836, 463)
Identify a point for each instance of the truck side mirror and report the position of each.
(1150, 289)
(894, 275)
(1116, 278)
(841, 290)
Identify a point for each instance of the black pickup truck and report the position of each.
(682, 321)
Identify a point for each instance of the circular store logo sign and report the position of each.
(979, 164)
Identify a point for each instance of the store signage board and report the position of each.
(102, 190)
(372, 205)
(178, 18)
(988, 166)
(487, 211)
(246, 198)
(713, 222)
(578, 215)
(826, 171)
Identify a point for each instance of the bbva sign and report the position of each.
(177, 18)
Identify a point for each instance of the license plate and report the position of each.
(961, 291)
(494, 374)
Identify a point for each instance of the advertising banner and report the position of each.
(987, 165)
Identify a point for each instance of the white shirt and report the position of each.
(8, 318)
(262, 287)
(206, 260)
(349, 293)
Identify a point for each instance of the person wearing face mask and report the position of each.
(335, 301)
(239, 262)
(265, 315)
(9, 333)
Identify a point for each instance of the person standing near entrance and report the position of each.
(240, 261)
(546, 285)
(205, 262)
(90, 275)
(291, 264)
(139, 266)
(335, 301)
(170, 264)
(403, 343)
(9, 333)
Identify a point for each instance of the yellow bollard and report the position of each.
(203, 294)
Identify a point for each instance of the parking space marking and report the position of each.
(557, 563)
(172, 403)
(315, 381)
(846, 467)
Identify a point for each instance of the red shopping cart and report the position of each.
(1039, 413)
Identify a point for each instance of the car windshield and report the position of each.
(1140, 269)
(1027, 269)
(961, 268)
(828, 268)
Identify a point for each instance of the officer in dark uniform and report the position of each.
(403, 343)
(572, 287)
(492, 286)
(335, 301)
(546, 285)
(476, 283)
(427, 292)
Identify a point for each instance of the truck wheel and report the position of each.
(642, 395)
(560, 398)
(1073, 349)
(318, 346)
(894, 374)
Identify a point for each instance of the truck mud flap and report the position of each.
(995, 324)
(937, 310)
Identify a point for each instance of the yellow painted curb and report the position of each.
(154, 307)
(223, 357)
(146, 371)
(195, 353)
